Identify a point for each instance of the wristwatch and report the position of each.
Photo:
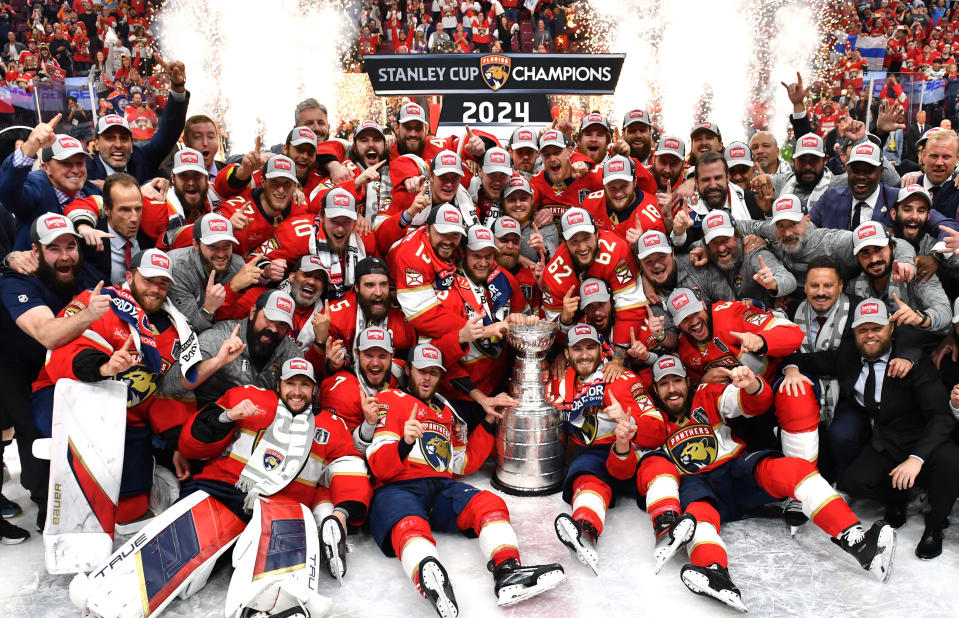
(206, 314)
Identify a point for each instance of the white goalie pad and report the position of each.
(86, 463)
(276, 563)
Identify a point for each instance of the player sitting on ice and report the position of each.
(268, 462)
(592, 408)
(257, 442)
(720, 481)
(417, 449)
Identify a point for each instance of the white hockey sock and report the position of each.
(415, 550)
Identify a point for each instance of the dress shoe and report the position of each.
(895, 514)
(930, 545)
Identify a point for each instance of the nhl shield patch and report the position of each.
(495, 70)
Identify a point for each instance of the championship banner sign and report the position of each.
(507, 73)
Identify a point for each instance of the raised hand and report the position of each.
(244, 409)
(42, 136)
(472, 330)
(637, 349)
(902, 271)
(493, 406)
(239, 221)
(119, 361)
(321, 322)
(412, 428)
(215, 294)
(369, 174)
(93, 237)
(750, 342)
(98, 304)
(796, 92)
(335, 353)
(614, 411)
(764, 276)
(570, 306)
(742, 377)
(681, 222)
(905, 315)
(371, 408)
(231, 348)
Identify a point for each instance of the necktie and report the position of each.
(869, 392)
(128, 252)
(934, 191)
(822, 322)
(856, 214)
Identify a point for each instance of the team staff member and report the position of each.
(30, 327)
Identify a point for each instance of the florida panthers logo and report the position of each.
(436, 449)
(272, 459)
(495, 70)
(141, 384)
(693, 448)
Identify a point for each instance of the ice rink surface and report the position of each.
(779, 576)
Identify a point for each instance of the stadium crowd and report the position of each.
(734, 330)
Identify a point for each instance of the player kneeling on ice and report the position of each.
(268, 460)
(593, 409)
(720, 482)
(418, 447)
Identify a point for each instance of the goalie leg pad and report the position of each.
(277, 562)
(173, 553)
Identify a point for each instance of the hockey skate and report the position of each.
(672, 532)
(333, 547)
(434, 584)
(713, 581)
(874, 549)
(515, 583)
(793, 515)
(580, 538)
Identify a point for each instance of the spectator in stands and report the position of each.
(504, 33)
(13, 48)
(77, 120)
(439, 40)
(541, 36)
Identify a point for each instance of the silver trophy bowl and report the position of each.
(530, 452)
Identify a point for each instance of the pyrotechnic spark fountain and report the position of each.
(250, 62)
(712, 60)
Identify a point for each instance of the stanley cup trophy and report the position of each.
(529, 450)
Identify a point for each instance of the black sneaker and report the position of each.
(10, 534)
(515, 582)
(9, 508)
(873, 549)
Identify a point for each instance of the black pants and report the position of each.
(15, 381)
(868, 477)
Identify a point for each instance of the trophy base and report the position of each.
(525, 491)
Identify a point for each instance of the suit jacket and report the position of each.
(913, 417)
(146, 159)
(28, 195)
(834, 210)
(100, 260)
(913, 133)
(947, 199)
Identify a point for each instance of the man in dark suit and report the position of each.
(865, 198)
(142, 161)
(914, 133)
(940, 155)
(62, 178)
(121, 237)
(888, 433)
